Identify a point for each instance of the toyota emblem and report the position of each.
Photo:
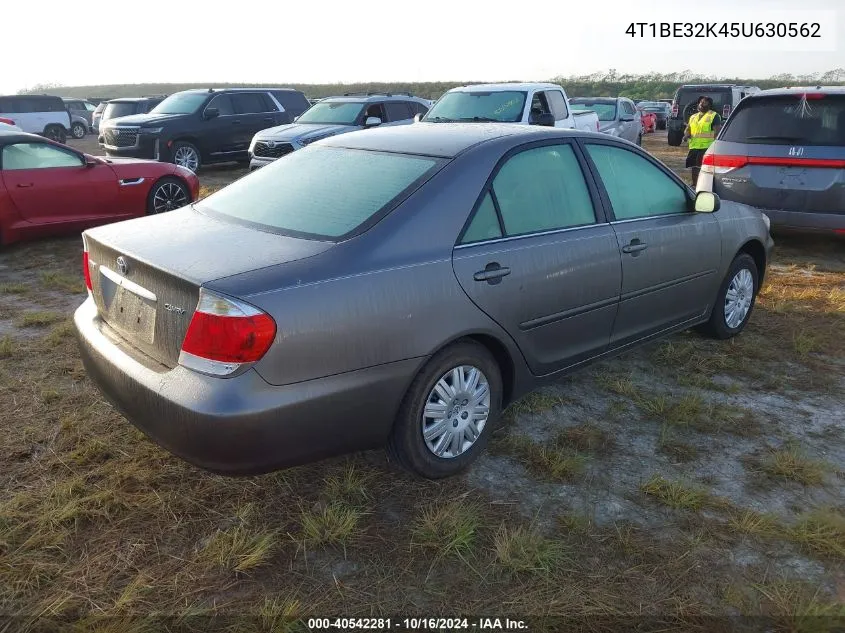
(271, 144)
(122, 266)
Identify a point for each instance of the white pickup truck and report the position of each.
(524, 103)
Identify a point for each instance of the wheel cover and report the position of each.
(187, 157)
(169, 196)
(78, 131)
(456, 411)
(738, 298)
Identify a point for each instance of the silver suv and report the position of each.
(333, 116)
(783, 152)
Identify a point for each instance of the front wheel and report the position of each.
(167, 194)
(186, 155)
(77, 130)
(735, 299)
(448, 412)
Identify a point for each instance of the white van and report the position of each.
(37, 114)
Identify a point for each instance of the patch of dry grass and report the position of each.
(585, 438)
(330, 524)
(821, 532)
(523, 549)
(676, 494)
(536, 402)
(792, 464)
(64, 282)
(448, 529)
(14, 289)
(548, 461)
(40, 318)
(7, 346)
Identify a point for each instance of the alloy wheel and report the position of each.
(187, 157)
(169, 196)
(456, 411)
(738, 298)
(78, 131)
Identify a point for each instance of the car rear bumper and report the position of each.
(242, 425)
(806, 221)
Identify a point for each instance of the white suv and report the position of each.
(37, 114)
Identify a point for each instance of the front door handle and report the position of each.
(492, 273)
(24, 185)
(269, 118)
(635, 247)
(236, 122)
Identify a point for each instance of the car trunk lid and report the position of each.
(146, 273)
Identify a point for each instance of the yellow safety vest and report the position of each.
(701, 130)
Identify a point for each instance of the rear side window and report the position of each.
(543, 189)
(249, 103)
(117, 109)
(789, 120)
(291, 101)
(418, 108)
(321, 192)
(397, 111)
(485, 223)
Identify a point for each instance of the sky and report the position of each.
(328, 41)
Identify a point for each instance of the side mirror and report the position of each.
(626, 117)
(90, 161)
(417, 117)
(707, 202)
(210, 113)
(372, 121)
(547, 119)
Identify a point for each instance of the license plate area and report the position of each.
(129, 308)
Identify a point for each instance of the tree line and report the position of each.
(608, 83)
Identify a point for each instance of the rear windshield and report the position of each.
(687, 100)
(789, 120)
(475, 105)
(321, 192)
(606, 111)
(114, 110)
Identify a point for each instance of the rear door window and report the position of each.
(397, 111)
(789, 120)
(249, 103)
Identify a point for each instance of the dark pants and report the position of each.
(694, 159)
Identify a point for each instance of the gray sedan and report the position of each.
(401, 286)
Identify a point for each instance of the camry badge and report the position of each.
(122, 266)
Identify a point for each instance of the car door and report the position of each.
(631, 123)
(539, 106)
(253, 113)
(221, 135)
(50, 184)
(539, 258)
(670, 254)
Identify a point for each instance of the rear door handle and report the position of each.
(236, 122)
(492, 273)
(269, 118)
(25, 185)
(635, 247)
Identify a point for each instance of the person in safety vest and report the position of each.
(701, 131)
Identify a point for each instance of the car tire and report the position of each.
(186, 155)
(167, 194)
(56, 133)
(674, 138)
(407, 444)
(640, 140)
(737, 292)
(77, 131)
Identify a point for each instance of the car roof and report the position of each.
(132, 99)
(13, 136)
(793, 90)
(444, 140)
(256, 89)
(509, 86)
(371, 98)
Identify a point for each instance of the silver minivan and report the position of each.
(783, 152)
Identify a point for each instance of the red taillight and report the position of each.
(7, 121)
(86, 270)
(813, 95)
(225, 334)
(720, 163)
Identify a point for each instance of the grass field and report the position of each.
(684, 482)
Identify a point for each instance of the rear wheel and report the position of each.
(674, 138)
(77, 130)
(186, 155)
(735, 299)
(167, 194)
(56, 133)
(448, 412)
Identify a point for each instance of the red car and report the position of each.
(649, 121)
(47, 188)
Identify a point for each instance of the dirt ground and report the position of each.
(673, 488)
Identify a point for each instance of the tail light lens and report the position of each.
(813, 96)
(86, 270)
(225, 335)
(7, 121)
(721, 163)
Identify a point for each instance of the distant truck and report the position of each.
(725, 98)
(523, 103)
